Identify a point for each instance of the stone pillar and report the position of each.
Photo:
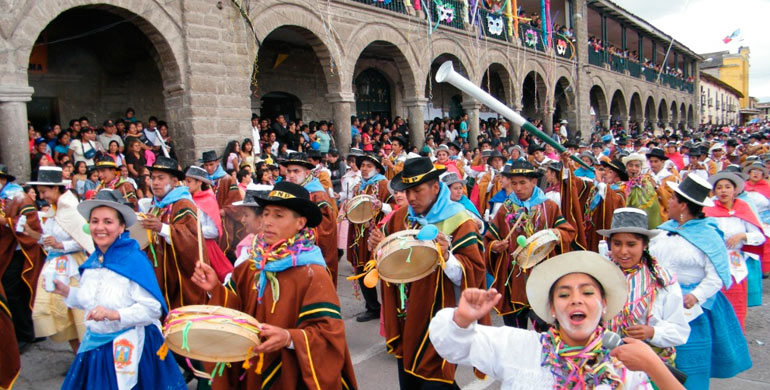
(604, 120)
(516, 129)
(548, 120)
(624, 122)
(415, 108)
(582, 87)
(341, 102)
(472, 107)
(14, 145)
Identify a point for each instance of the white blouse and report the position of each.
(508, 354)
(106, 288)
(688, 264)
(671, 326)
(731, 226)
(759, 201)
(208, 227)
(52, 229)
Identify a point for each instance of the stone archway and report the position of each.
(690, 116)
(496, 81)
(635, 112)
(444, 100)
(163, 42)
(683, 116)
(619, 109)
(650, 114)
(564, 105)
(533, 97)
(373, 94)
(663, 114)
(674, 116)
(599, 107)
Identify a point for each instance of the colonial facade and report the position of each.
(719, 102)
(205, 65)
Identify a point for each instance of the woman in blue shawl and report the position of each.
(694, 250)
(123, 304)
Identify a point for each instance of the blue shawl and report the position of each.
(9, 190)
(372, 180)
(314, 185)
(537, 197)
(705, 235)
(178, 193)
(584, 172)
(441, 210)
(312, 256)
(470, 206)
(218, 173)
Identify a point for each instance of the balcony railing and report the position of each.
(595, 57)
(390, 5)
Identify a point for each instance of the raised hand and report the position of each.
(204, 277)
(474, 304)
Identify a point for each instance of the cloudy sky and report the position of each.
(702, 24)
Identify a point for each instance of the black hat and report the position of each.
(618, 167)
(354, 152)
(109, 198)
(495, 154)
(522, 168)
(623, 142)
(4, 173)
(105, 161)
(49, 176)
(372, 158)
(597, 145)
(314, 154)
(534, 148)
(209, 156)
(108, 123)
(401, 140)
(253, 192)
(629, 220)
(731, 142)
(416, 171)
(570, 144)
(695, 189)
(199, 174)
(453, 144)
(657, 152)
(297, 158)
(168, 165)
(293, 197)
(694, 152)
(555, 166)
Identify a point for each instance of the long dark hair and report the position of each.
(228, 149)
(695, 210)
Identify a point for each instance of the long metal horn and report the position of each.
(446, 73)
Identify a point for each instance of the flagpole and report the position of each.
(665, 58)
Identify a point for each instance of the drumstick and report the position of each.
(515, 225)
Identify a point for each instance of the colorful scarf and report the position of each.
(442, 209)
(267, 260)
(581, 367)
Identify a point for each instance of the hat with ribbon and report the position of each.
(168, 165)
(695, 189)
(522, 168)
(4, 173)
(416, 171)
(49, 176)
(297, 158)
(371, 157)
(293, 197)
(105, 161)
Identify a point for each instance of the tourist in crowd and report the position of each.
(84, 148)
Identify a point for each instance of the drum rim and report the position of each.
(518, 252)
(394, 236)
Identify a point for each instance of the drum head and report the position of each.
(215, 334)
(402, 259)
(360, 209)
(138, 233)
(538, 247)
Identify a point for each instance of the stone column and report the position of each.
(472, 107)
(548, 120)
(624, 122)
(341, 102)
(14, 145)
(415, 108)
(604, 120)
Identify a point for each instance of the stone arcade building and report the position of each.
(192, 63)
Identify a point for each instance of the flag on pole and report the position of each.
(732, 36)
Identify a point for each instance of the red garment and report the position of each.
(743, 211)
(207, 203)
(677, 159)
(762, 186)
(451, 166)
(737, 294)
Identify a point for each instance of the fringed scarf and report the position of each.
(581, 367)
(267, 260)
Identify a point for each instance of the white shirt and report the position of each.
(508, 354)
(689, 265)
(103, 287)
(668, 318)
(731, 226)
(349, 182)
(208, 227)
(451, 135)
(759, 201)
(658, 177)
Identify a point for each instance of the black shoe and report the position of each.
(368, 316)
(24, 346)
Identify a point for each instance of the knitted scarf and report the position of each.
(581, 367)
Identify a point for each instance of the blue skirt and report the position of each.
(715, 333)
(95, 369)
(754, 282)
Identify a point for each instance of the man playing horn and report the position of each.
(640, 189)
(394, 162)
(111, 179)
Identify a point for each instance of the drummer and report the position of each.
(537, 213)
(406, 329)
(172, 221)
(299, 171)
(227, 192)
(111, 178)
(374, 184)
(285, 287)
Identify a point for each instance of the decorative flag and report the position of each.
(732, 36)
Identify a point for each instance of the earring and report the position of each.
(681, 217)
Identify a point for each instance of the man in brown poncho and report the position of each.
(226, 190)
(174, 248)
(285, 287)
(408, 307)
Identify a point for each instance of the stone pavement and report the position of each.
(45, 364)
